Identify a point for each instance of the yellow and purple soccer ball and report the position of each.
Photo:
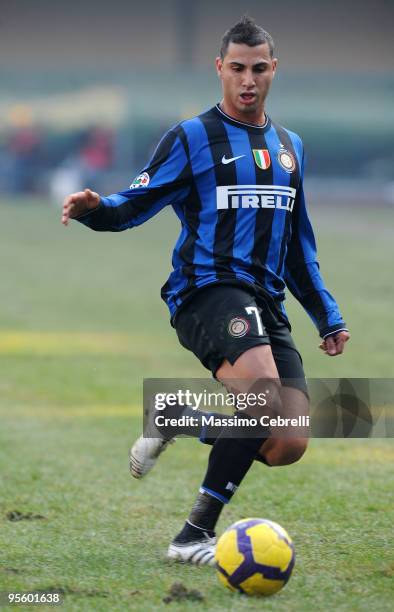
(255, 556)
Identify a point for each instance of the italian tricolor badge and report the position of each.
(262, 158)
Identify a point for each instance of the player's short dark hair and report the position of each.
(246, 32)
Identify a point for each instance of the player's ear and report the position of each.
(219, 66)
(274, 65)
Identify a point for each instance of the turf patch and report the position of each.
(15, 515)
(178, 592)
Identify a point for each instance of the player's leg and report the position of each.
(223, 325)
(148, 447)
(203, 325)
(287, 444)
(252, 374)
(230, 457)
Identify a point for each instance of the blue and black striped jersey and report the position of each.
(237, 190)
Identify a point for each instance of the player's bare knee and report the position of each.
(286, 452)
(256, 397)
(267, 393)
(297, 449)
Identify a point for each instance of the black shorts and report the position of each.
(222, 322)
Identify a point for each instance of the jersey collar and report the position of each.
(258, 129)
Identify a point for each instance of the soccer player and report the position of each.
(235, 180)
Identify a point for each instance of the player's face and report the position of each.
(246, 74)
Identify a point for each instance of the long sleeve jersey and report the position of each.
(237, 190)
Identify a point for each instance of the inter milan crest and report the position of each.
(286, 160)
(142, 180)
(238, 327)
(262, 158)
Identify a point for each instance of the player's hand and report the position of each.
(335, 344)
(78, 203)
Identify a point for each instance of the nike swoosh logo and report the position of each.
(230, 159)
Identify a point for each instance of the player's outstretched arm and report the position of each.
(165, 180)
(79, 203)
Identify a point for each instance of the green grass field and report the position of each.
(81, 324)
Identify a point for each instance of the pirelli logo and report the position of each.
(255, 196)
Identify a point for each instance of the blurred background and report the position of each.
(87, 88)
